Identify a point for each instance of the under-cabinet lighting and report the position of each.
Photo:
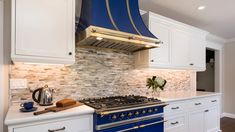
(201, 8)
(99, 38)
(44, 64)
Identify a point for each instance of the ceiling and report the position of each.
(218, 17)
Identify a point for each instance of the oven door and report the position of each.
(152, 125)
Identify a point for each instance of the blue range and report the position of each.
(127, 114)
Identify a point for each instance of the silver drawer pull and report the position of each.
(198, 103)
(56, 130)
(174, 123)
(175, 108)
(213, 100)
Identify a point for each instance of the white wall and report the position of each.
(4, 87)
(229, 78)
(1, 69)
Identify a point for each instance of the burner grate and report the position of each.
(118, 101)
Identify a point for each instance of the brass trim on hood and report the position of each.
(131, 20)
(112, 39)
(110, 15)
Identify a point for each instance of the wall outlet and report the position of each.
(18, 83)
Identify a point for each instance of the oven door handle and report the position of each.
(150, 124)
(142, 126)
(126, 130)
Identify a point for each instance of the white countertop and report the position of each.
(14, 116)
(176, 96)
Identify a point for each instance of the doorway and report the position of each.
(206, 79)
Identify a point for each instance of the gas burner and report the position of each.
(119, 102)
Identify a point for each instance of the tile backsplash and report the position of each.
(95, 73)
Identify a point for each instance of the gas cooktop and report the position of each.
(119, 102)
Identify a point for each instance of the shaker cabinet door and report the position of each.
(160, 56)
(180, 48)
(43, 30)
(197, 53)
(211, 119)
(196, 121)
(81, 124)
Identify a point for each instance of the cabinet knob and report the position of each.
(206, 110)
(175, 108)
(213, 100)
(161, 42)
(70, 53)
(198, 103)
(152, 60)
(56, 130)
(191, 64)
(174, 123)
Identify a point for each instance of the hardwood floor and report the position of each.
(227, 124)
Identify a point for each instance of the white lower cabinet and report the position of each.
(196, 121)
(193, 115)
(211, 119)
(75, 124)
(176, 123)
(204, 120)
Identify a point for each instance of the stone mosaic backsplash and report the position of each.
(95, 73)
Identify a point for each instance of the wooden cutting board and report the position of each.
(57, 109)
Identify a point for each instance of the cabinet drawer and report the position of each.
(81, 124)
(176, 107)
(212, 101)
(196, 103)
(175, 124)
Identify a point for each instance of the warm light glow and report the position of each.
(99, 38)
(44, 64)
(147, 46)
(201, 7)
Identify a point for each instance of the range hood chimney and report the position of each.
(114, 24)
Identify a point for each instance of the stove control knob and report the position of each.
(130, 114)
(114, 117)
(143, 112)
(137, 113)
(150, 110)
(122, 115)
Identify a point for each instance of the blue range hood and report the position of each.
(114, 24)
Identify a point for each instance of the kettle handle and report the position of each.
(34, 93)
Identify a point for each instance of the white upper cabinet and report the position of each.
(197, 52)
(43, 31)
(183, 46)
(160, 55)
(180, 45)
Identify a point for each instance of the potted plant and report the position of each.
(156, 84)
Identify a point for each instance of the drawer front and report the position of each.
(196, 103)
(176, 124)
(81, 124)
(212, 101)
(176, 107)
